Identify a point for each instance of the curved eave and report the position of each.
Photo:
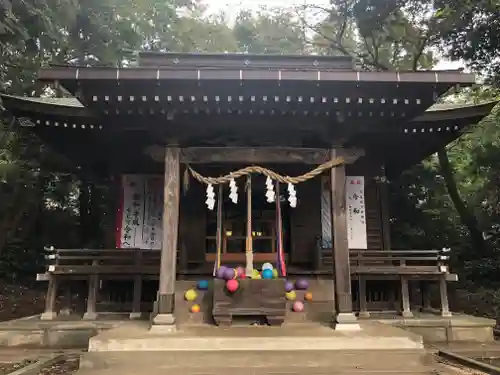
(433, 131)
(447, 112)
(61, 107)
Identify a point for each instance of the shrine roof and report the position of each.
(72, 107)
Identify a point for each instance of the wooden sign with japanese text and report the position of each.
(356, 213)
(139, 219)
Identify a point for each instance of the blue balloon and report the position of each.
(202, 285)
(267, 274)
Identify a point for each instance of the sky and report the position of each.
(231, 8)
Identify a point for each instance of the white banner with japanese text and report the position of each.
(139, 216)
(356, 213)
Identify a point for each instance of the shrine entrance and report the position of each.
(234, 221)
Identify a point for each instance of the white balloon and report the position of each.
(267, 266)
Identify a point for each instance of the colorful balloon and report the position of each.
(190, 295)
(275, 273)
(229, 273)
(301, 284)
(267, 266)
(267, 274)
(308, 296)
(202, 285)
(232, 285)
(298, 306)
(291, 295)
(195, 308)
(240, 272)
(221, 271)
(289, 286)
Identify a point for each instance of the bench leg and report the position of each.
(426, 296)
(363, 309)
(91, 313)
(66, 310)
(136, 302)
(50, 300)
(405, 298)
(443, 291)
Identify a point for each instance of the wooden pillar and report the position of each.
(166, 288)
(405, 298)
(363, 308)
(137, 296)
(340, 253)
(91, 313)
(50, 300)
(443, 291)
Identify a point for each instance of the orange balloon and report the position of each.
(195, 308)
(308, 296)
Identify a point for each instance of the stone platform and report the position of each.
(436, 329)
(66, 332)
(135, 336)
(309, 349)
(310, 362)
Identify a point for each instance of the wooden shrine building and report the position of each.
(206, 116)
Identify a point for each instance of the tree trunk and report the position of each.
(466, 216)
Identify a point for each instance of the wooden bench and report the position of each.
(94, 265)
(424, 266)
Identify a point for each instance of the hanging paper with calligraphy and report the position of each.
(139, 223)
(356, 213)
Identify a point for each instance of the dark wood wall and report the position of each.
(305, 222)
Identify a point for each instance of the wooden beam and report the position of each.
(166, 289)
(198, 155)
(340, 253)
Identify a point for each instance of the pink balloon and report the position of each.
(240, 272)
(232, 285)
(298, 306)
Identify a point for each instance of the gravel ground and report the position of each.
(6, 368)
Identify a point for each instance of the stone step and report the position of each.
(258, 362)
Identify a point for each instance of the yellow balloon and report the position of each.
(275, 273)
(257, 277)
(190, 295)
(255, 272)
(291, 295)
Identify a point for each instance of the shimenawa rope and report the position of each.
(267, 172)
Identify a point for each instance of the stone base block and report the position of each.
(48, 316)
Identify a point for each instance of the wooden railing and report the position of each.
(103, 262)
(398, 262)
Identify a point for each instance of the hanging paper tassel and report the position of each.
(270, 196)
(292, 196)
(210, 202)
(233, 193)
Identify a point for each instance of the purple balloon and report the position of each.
(301, 284)
(288, 286)
(221, 272)
(229, 274)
